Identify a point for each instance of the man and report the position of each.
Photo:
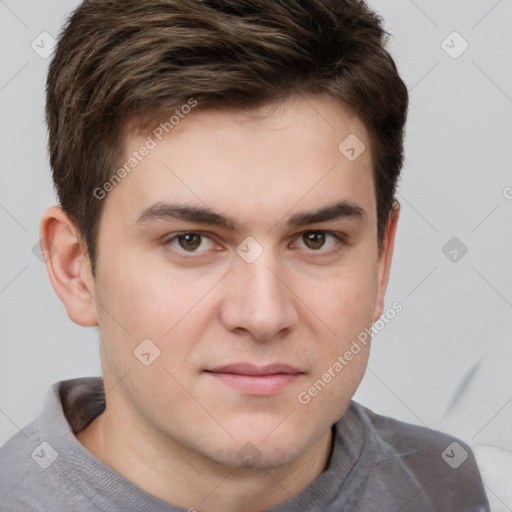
(226, 174)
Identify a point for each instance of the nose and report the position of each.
(258, 300)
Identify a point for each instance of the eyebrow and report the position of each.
(202, 215)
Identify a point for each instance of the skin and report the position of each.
(170, 427)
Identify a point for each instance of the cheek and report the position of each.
(144, 308)
(345, 303)
(145, 296)
(347, 308)
(150, 302)
(345, 300)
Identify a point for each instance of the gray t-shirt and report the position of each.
(377, 464)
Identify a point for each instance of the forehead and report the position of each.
(298, 153)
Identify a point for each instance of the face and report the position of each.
(243, 249)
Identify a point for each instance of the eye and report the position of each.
(190, 242)
(196, 243)
(316, 240)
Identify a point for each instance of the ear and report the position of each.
(385, 257)
(68, 265)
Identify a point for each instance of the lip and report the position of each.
(253, 370)
(256, 380)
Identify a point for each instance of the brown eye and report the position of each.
(320, 241)
(314, 239)
(190, 241)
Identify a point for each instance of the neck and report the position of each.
(168, 470)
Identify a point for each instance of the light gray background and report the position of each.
(457, 170)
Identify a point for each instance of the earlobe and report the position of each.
(68, 266)
(385, 258)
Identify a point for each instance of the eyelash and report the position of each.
(341, 240)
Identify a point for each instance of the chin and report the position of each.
(250, 456)
(257, 450)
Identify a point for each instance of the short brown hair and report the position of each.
(133, 61)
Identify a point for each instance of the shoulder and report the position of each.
(441, 468)
(400, 433)
(34, 463)
(22, 459)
